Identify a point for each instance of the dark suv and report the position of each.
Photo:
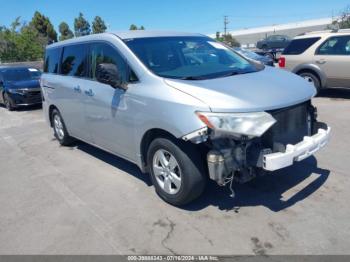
(273, 42)
(19, 86)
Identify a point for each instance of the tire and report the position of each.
(181, 168)
(59, 128)
(311, 78)
(7, 102)
(269, 55)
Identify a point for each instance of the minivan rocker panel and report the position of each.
(181, 106)
(264, 90)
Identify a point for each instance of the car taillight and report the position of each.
(282, 62)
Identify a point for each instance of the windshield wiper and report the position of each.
(192, 78)
(236, 73)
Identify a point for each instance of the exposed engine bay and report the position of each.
(240, 159)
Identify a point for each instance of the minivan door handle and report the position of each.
(321, 61)
(77, 89)
(89, 92)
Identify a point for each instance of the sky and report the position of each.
(202, 16)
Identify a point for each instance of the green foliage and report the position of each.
(81, 26)
(15, 24)
(23, 45)
(227, 39)
(65, 32)
(134, 27)
(44, 27)
(344, 21)
(98, 25)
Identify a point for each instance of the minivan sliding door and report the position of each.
(74, 69)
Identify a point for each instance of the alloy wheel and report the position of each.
(58, 125)
(309, 79)
(167, 171)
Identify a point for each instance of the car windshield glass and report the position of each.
(248, 53)
(35, 74)
(18, 74)
(191, 58)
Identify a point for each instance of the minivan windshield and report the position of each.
(20, 74)
(190, 58)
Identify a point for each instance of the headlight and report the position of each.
(250, 124)
(15, 91)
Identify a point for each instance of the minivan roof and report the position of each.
(125, 35)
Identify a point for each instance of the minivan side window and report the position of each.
(51, 62)
(299, 46)
(74, 60)
(337, 45)
(103, 53)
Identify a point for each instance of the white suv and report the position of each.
(322, 58)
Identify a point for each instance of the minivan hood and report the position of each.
(23, 84)
(267, 89)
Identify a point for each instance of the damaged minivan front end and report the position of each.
(241, 146)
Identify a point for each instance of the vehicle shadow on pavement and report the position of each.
(335, 93)
(115, 161)
(268, 190)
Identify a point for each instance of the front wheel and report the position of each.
(176, 170)
(7, 102)
(59, 128)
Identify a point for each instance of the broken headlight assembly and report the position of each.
(253, 124)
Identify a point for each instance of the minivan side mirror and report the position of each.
(108, 73)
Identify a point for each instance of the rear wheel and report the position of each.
(7, 102)
(59, 128)
(176, 170)
(312, 79)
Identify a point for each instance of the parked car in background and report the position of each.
(266, 60)
(322, 58)
(273, 42)
(19, 86)
(181, 106)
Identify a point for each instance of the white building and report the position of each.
(249, 36)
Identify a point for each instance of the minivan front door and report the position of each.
(106, 106)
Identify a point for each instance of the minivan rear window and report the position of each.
(52, 58)
(298, 46)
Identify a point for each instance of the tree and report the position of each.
(98, 25)
(227, 39)
(81, 26)
(44, 27)
(30, 45)
(23, 44)
(133, 27)
(65, 32)
(343, 21)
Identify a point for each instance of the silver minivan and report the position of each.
(181, 106)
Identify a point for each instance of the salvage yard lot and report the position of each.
(81, 200)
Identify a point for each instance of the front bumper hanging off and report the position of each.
(297, 152)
